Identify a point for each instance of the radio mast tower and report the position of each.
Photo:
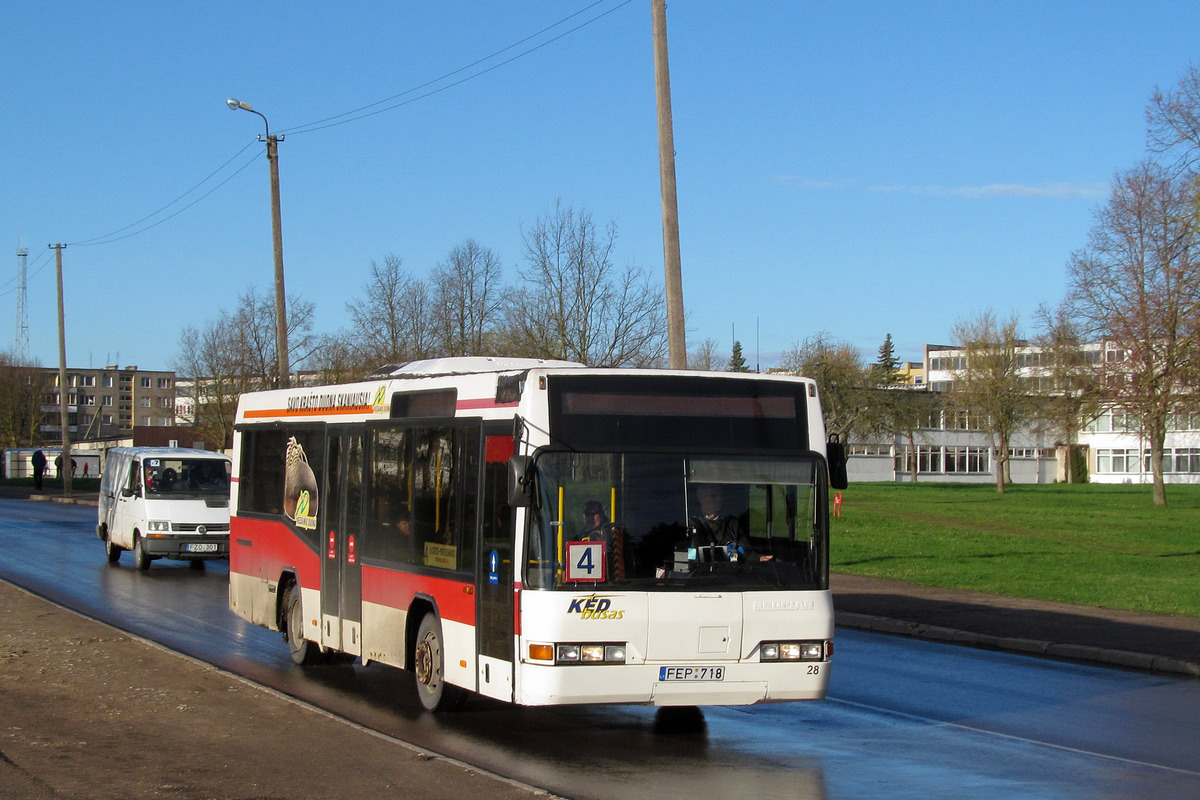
(21, 346)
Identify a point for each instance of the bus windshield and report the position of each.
(185, 477)
(640, 521)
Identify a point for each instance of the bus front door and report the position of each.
(341, 564)
(495, 621)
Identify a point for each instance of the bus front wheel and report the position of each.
(303, 651)
(429, 661)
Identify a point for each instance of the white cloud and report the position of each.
(1051, 190)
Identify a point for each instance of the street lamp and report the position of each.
(277, 232)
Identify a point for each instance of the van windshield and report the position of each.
(185, 477)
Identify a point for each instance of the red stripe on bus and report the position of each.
(396, 589)
(264, 548)
(484, 403)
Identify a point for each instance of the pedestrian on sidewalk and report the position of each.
(38, 459)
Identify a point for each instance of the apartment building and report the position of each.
(106, 402)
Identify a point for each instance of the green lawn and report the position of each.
(1092, 545)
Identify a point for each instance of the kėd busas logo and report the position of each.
(594, 607)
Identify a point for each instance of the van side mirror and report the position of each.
(520, 481)
(126, 491)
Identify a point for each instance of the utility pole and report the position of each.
(670, 207)
(281, 337)
(64, 416)
(281, 343)
(21, 345)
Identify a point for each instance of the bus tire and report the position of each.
(304, 652)
(111, 550)
(141, 559)
(429, 662)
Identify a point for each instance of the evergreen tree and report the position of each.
(737, 362)
(884, 370)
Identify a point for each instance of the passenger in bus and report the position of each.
(718, 528)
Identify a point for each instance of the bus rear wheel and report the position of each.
(429, 661)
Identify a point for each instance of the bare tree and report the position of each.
(576, 304)
(253, 326)
(339, 358)
(704, 357)
(904, 410)
(842, 378)
(990, 388)
(213, 361)
(469, 299)
(1173, 119)
(20, 403)
(1137, 284)
(234, 354)
(1072, 397)
(395, 322)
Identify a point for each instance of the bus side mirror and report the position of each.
(520, 481)
(835, 454)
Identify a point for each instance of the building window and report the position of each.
(145, 383)
(929, 459)
(145, 402)
(107, 381)
(164, 383)
(1118, 460)
(974, 460)
(870, 450)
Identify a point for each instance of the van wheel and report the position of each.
(113, 551)
(141, 559)
(429, 660)
(304, 651)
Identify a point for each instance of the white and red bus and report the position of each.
(431, 518)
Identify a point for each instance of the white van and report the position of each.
(164, 502)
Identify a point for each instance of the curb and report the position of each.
(1073, 652)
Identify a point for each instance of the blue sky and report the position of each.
(856, 169)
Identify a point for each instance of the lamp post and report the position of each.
(281, 344)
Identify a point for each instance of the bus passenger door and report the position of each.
(341, 564)
(495, 615)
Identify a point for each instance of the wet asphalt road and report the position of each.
(904, 719)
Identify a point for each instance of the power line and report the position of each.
(355, 115)
(108, 238)
(320, 124)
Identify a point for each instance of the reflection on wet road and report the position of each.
(904, 718)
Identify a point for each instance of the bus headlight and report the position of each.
(578, 653)
(792, 651)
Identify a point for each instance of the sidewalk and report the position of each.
(1157, 642)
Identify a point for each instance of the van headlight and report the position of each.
(160, 526)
